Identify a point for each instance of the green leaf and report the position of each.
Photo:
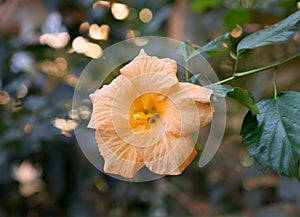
(185, 50)
(220, 90)
(199, 5)
(217, 46)
(273, 136)
(241, 95)
(236, 16)
(277, 33)
(194, 79)
(246, 98)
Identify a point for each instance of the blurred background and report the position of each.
(44, 46)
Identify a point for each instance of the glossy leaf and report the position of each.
(277, 33)
(217, 46)
(273, 136)
(220, 90)
(241, 95)
(245, 97)
(185, 50)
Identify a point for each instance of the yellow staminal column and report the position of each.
(141, 117)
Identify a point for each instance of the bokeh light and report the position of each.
(65, 125)
(131, 33)
(99, 32)
(28, 175)
(61, 63)
(83, 46)
(98, 4)
(71, 80)
(84, 27)
(141, 41)
(237, 32)
(119, 11)
(22, 91)
(84, 112)
(55, 40)
(26, 172)
(80, 44)
(73, 114)
(4, 97)
(93, 50)
(145, 15)
(57, 68)
(28, 128)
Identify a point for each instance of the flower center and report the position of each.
(146, 109)
(142, 117)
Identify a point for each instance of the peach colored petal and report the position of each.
(135, 88)
(190, 109)
(119, 157)
(172, 116)
(143, 136)
(122, 107)
(146, 117)
(171, 155)
(205, 113)
(102, 100)
(204, 105)
(153, 82)
(188, 161)
(149, 64)
(118, 147)
(181, 114)
(92, 123)
(198, 93)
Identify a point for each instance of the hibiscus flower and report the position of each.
(146, 117)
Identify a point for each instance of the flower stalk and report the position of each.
(275, 83)
(253, 71)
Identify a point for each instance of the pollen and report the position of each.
(144, 110)
(142, 117)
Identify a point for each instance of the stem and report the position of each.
(236, 63)
(186, 72)
(275, 84)
(241, 74)
(253, 71)
(225, 80)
